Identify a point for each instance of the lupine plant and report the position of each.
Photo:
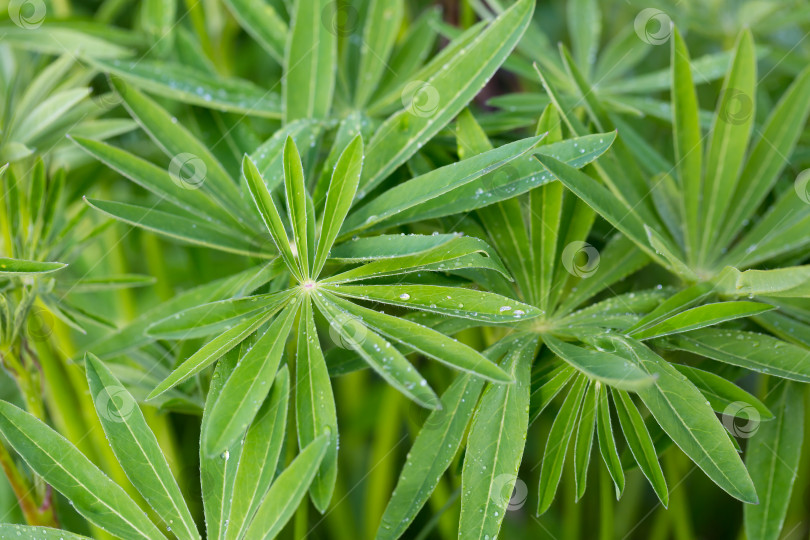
(390, 269)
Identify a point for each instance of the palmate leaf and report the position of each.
(137, 450)
(96, 497)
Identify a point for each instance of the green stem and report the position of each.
(34, 513)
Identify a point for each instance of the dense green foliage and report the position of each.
(400, 268)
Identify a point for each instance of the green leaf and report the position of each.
(315, 406)
(672, 305)
(259, 457)
(688, 141)
(137, 449)
(207, 319)
(270, 215)
(685, 415)
(729, 140)
(195, 87)
(749, 350)
(383, 19)
(454, 301)
(431, 454)
(547, 387)
(287, 491)
(495, 446)
(19, 267)
(211, 352)
(607, 444)
(773, 456)
(433, 184)
(47, 112)
(557, 444)
(384, 358)
(179, 227)
(63, 466)
(246, 388)
(601, 365)
(310, 59)
(435, 100)
(722, 393)
(640, 443)
(260, 20)
(428, 342)
(584, 438)
(339, 199)
(700, 317)
(8, 531)
(295, 188)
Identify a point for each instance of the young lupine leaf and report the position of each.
(433, 184)
(451, 252)
(287, 491)
(383, 357)
(269, 156)
(454, 301)
(103, 502)
(270, 215)
(218, 473)
(207, 319)
(339, 199)
(428, 342)
(640, 443)
(46, 113)
(261, 21)
(585, 26)
(259, 457)
(196, 87)
(212, 351)
(387, 246)
(9, 532)
(545, 221)
(295, 188)
(607, 444)
(383, 19)
(310, 58)
(106, 283)
(729, 140)
(557, 444)
(444, 95)
(19, 267)
(685, 415)
(700, 317)
(137, 449)
(179, 227)
(246, 388)
(722, 393)
(584, 438)
(773, 456)
(495, 445)
(601, 365)
(790, 282)
(315, 406)
(688, 141)
(749, 350)
(432, 452)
